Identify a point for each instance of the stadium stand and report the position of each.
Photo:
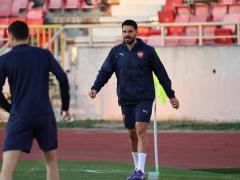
(177, 12)
(39, 12)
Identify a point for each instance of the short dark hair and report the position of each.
(130, 22)
(19, 30)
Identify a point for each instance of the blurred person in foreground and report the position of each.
(31, 115)
(133, 63)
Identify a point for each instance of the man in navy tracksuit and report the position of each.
(31, 115)
(133, 62)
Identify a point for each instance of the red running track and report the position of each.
(176, 149)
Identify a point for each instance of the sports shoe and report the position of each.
(139, 175)
(132, 175)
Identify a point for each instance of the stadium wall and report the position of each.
(206, 81)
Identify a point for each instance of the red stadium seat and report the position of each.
(3, 32)
(183, 10)
(234, 8)
(172, 42)
(23, 4)
(34, 17)
(72, 4)
(5, 8)
(234, 18)
(223, 32)
(155, 32)
(201, 10)
(144, 31)
(171, 4)
(16, 6)
(34, 13)
(192, 30)
(176, 31)
(55, 4)
(228, 1)
(166, 16)
(198, 18)
(208, 31)
(219, 11)
(148, 31)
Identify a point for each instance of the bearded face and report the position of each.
(129, 34)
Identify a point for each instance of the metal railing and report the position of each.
(90, 40)
(53, 36)
(47, 36)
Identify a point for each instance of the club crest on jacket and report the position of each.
(140, 54)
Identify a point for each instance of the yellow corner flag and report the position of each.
(159, 91)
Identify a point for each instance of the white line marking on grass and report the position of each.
(94, 171)
(80, 170)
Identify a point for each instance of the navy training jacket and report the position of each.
(133, 69)
(27, 69)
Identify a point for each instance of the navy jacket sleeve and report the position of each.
(161, 74)
(3, 101)
(105, 73)
(61, 76)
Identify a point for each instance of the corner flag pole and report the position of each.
(161, 95)
(157, 170)
(155, 175)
